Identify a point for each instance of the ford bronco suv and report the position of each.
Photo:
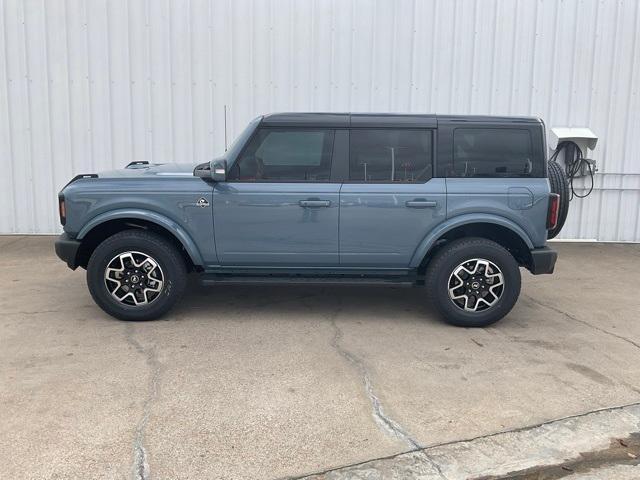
(453, 204)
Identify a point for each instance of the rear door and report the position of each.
(279, 206)
(390, 200)
(497, 169)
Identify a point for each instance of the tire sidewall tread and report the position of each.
(455, 253)
(164, 252)
(559, 184)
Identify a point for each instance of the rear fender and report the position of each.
(433, 236)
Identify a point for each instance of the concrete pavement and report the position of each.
(269, 382)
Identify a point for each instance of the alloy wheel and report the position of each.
(476, 285)
(134, 278)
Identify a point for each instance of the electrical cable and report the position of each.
(573, 165)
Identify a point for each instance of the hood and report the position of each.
(139, 169)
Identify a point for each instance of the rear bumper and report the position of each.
(67, 250)
(543, 260)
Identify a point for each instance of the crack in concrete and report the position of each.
(433, 463)
(583, 322)
(424, 450)
(384, 422)
(620, 452)
(140, 467)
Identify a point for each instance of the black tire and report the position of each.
(171, 263)
(560, 185)
(448, 258)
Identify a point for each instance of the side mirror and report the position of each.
(219, 170)
(202, 170)
(215, 170)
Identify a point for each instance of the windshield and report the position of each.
(239, 142)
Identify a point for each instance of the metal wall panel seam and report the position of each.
(373, 57)
(608, 115)
(553, 57)
(474, 79)
(27, 110)
(9, 124)
(434, 36)
(625, 136)
(514, 47)
(108, 47)
(132, 129)
(494, 72)
(454, 55)
(632, 71)
(69, 94)
(412, 54)
(89, 90)
(47, 87)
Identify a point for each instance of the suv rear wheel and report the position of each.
(473, 282)
(136, 275)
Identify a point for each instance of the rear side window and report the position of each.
(286, 155)
(493, 152)
(390, 155)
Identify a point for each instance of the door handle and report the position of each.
(421, 203)
(314, 203)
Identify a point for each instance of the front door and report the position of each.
(390, 201)
(278, 207)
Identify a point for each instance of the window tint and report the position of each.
(492, 152)
(286, 155)
(390, 156)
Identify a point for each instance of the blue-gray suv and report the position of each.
(452, 204)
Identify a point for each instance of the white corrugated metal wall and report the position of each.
(87, 85)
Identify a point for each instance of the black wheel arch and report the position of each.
(503, 236)
(106, 229)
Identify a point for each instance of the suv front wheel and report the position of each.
(473, 282)
(136, 275)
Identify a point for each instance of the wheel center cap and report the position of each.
(135, 278)
(475, 285)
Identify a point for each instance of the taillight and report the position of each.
(62, 209)
(553, 212)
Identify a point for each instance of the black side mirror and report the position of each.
(202, 170)
(215, 170)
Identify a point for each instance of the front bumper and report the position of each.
(543, 260)
(67, 250)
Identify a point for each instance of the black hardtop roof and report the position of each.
(328, 119)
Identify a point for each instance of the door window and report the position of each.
(285, 155)
(390, 155)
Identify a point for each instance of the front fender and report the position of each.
(161, 220)
(458, 221)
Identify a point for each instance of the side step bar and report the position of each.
(218, 279)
